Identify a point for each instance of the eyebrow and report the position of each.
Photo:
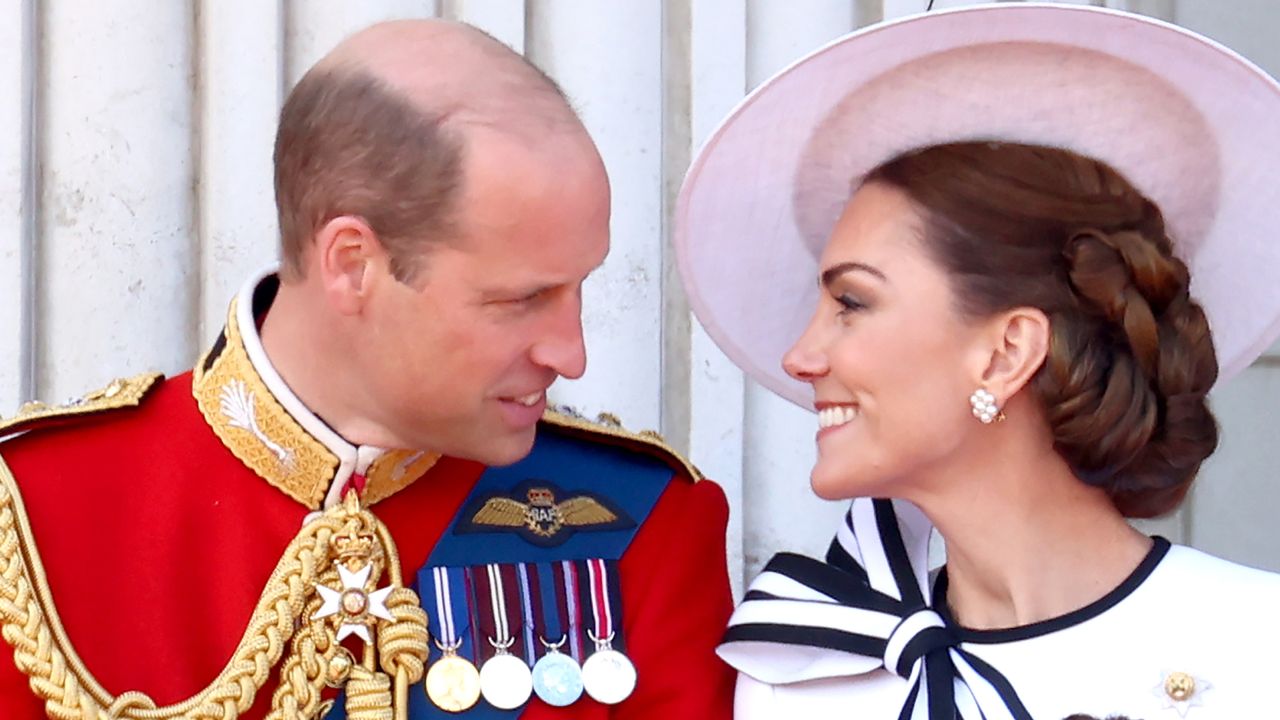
(504, 292)
(830, 274)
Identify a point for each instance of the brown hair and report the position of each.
(348, 145)
(1130, 357)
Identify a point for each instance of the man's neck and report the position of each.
(308, 353)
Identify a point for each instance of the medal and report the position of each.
(557, 679)
(452, 682)
(607, 676)
(505, 680)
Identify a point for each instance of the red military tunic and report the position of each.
(159, 525)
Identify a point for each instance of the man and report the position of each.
(440, 206)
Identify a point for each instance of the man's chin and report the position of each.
(504, 448)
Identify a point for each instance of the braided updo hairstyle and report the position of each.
(1130, 357)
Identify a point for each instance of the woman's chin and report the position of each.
(833, 486)
(858, 476)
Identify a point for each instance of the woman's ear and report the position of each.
(1018, 342)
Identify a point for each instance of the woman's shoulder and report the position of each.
(1205, 596)
(1203, 579)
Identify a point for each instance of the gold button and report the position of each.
(1180, 686)
(339, 668)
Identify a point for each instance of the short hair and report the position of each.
(349, 145)
(1130, 358)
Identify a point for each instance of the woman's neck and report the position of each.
(1028, 541)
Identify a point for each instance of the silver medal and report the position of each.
(505, 681)
(557, 679)
(608, 676)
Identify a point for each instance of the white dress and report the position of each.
(1186, 636)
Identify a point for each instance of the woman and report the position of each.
(1003, 341)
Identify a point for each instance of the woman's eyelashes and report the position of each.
(849, 304)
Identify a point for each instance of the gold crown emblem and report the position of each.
(352, 544)
(541, 497)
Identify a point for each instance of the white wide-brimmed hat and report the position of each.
(1194, 126)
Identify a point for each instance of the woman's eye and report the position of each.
(849, 304)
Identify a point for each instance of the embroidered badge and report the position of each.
(533, 509)
(1180, 691)
(237, 404)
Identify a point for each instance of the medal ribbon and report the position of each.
(602, 625)
(526, 611)
(573, 609)
(500, 629)
(450, 595)
(553, 626)
(472, 605)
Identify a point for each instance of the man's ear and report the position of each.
(347, 253)
(1017, 342)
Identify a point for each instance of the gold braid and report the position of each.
(41, 650)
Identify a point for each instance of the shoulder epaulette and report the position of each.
(119, 393)
(609, 428)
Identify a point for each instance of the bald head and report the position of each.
(379, 129)
(454, 71)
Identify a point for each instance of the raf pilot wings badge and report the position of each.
(534, 511)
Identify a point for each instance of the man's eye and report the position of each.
(529, 299)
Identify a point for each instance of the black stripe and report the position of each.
(1000, 683)
(837, 584)
(940, 673)
(895, 550)
(1159, 548)
(838, 557)
(802, 635)
(924, 643)
(910, 704)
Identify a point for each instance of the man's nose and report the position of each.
(562, 349)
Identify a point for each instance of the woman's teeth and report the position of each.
(835, 416)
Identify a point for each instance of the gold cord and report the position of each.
(29, 623)
(368, 695)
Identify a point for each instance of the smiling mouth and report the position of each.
(835, 416)
(528, 400)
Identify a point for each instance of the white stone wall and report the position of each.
(135, 196)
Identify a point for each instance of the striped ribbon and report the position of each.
(865, 608)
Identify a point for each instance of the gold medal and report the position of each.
(453, 683)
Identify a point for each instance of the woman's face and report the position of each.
(892, 363)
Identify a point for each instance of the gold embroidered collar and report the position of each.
(260, 420)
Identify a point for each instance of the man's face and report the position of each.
(459, 363)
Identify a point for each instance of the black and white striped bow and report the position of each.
(866, 607)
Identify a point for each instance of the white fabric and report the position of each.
(1194, 613)
(859, 615)
(1189, 122)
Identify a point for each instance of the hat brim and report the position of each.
(1189, 122)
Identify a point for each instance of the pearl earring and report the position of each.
(984, 406)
